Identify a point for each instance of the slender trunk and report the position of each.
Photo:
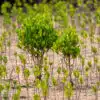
(99, 76)
(45, 97)
(18, 78)
(63, 91)
(5, 47)
(96, 96)
(69, 98)
(40, 64)
(0, 97)
(76, 88)
(9, 52)
(27, 89)
(70, 72)
(9, 45)
(79, 92)
(26, 80)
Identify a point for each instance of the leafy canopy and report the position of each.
(37, 34)
(68, 43)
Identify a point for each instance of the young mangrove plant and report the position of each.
(68, 45)
(37, 36)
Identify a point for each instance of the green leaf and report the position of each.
(5, 60)
(81, 81)
(22, 58)
(37, 34)
(2, 71)
(90, 64)
(94, 49)
(68, 43)
(68, 89)
(1, 88)
(36, 97)
(26, 72)
(54, 81)
(59, 70)
(38, 83)
(76, 73)
(44, 87)
(94, 88)
(36, 71)
(66, 72)
(17, 69)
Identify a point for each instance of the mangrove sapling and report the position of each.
(37, 40)
(37, 84)
(91, 33)
(76, 74)
(3, 71)
(81, 81)
(5, 60)
(47, 77)
(97, 15)
(1, 89)
(72, 11)
(4, 9)
(90, 66)
(98, 69)
(46, 70)
(6, 91)
(98, 41)
(1, 49)
(14, 14)
(84, 34)
(18, 72)
(6, 20)
(36, 97)
(87, 69)
(94, 51)
(65, 73)
(26, 76)
(15, 54)
(95, 90)
(83, 63)
(16, 96)
(23, 60)
(51, 68)
(9, 46)
(4, 36)
(54, 82)
(68, 45)
(95, 63)
(14, 85)
(36, 71)
(60, 15)
(68, 89)
(64, 79)
(26, 71)
(1, 58)
(59, 72)
(44, 88)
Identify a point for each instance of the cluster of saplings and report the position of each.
(49, 27)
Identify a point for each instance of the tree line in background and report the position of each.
(92, 4)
